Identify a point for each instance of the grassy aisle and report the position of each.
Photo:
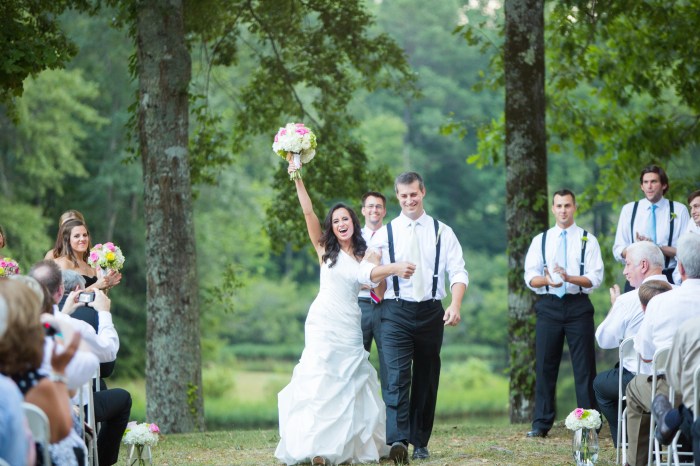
(451, 445)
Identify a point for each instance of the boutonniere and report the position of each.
(584, 238)
(673, 216)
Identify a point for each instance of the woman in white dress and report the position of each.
(331, 411)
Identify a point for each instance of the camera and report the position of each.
(86, 297)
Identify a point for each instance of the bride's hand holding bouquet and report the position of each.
(297, 144)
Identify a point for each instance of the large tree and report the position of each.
(526, 184)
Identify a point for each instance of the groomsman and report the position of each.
(563, 265)
(653, 218)
(412, 316)
(374, 211)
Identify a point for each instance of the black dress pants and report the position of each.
(411, 339)
(607, 396)
(570, 318)
(112, 410)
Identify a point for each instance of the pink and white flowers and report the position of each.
(581, 418)
(8, 267)
(300, 141)
(141, 434)
(106, 256)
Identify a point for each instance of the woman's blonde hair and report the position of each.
(22, 345)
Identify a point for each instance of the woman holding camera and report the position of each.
(71, 252)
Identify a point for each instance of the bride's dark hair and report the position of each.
(329, 241)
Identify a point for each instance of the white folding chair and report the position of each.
(658, 367)
(86, 397)
(625, 351)
(39, 425)
(674, 445)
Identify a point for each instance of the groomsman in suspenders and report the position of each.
(412, 316)
(563, 265)
(374, 211)
(653, 218)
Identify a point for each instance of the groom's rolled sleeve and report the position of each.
(364, 275)
(454, 259)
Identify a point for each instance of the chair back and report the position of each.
(39, 425)
(696, 392)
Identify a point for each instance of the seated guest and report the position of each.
(112, 406)
(683, 360)
(644, 261)
(693, 225)
(665, 314)
(71, 252)
(21, 353)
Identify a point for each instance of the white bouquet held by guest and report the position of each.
(140, 436)
(297, 144)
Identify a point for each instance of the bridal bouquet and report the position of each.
(106, 256)
(581, 418)
(297, 139)
(8, 267)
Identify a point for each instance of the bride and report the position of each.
(331, 412)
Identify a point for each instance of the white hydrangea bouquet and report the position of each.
(106, 256)
(581, 418)
(297, 140)
(141, 437)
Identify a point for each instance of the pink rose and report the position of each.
(302, 131)
(299, 125)
(97, 246)
(94, 257)
(154, 428)
(110, 246)
(578, 412)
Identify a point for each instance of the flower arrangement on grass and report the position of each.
(139, 436)
(106, 256)
(8, 267)
(581, 418)
(297, 140)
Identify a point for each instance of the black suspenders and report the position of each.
(670, 231)
(584, 242)
(395, 279)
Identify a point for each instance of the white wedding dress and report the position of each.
(332, 406)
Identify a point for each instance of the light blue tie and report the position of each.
(652, 223)
(561, 262)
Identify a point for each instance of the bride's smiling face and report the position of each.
(342, 224)
(79, 239)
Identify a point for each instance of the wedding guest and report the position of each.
(665, 314)
(413, 319)
(21, 353)
(71, 253)
(2, 237)
(374, 211)
(683, 360)
(653, 218)
(112, 406)
(563, 266)
(643, 263)
(65, 216)
(331, 412)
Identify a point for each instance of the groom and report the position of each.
(412, 316)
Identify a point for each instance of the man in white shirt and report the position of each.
(693, 226)
(665, 314)
(563, 265)
(412, 316)
(653, 218)
(374, 211)
(644, 261)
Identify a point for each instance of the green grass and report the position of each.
(466, 443)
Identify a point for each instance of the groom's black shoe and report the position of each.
(399, 453)
(537, 433)
(661, 406)
(420, 453)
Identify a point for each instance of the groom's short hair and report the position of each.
(408, 178)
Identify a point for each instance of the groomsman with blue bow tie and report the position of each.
(653, 218)
(412, 316)
(563, 266)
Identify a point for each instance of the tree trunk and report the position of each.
(526, 186)
(173, 364)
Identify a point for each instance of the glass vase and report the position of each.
(585, 447)
(139, 455)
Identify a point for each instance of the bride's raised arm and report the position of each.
(313, 225)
